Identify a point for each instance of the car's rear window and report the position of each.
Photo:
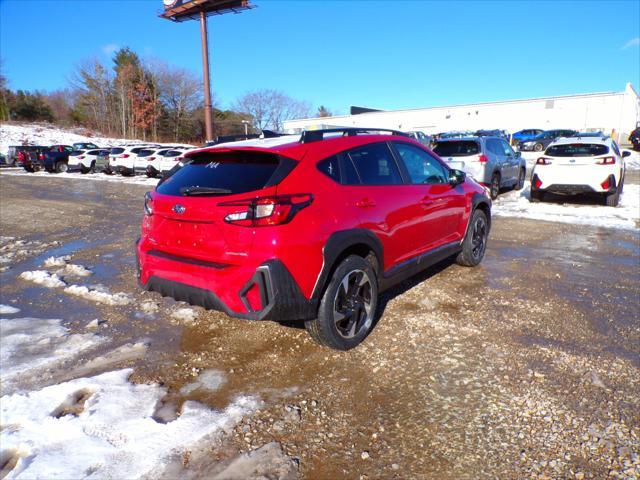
(577, 150)
(145, 152)
(461, 148)
(228, 172)
(172, 153)
(116, 150)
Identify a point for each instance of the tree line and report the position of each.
(150, 100)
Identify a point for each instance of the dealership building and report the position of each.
(615, 113)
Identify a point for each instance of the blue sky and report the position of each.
(388, 54)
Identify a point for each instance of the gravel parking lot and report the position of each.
(527, 366)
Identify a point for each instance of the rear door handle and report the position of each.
(365, 203)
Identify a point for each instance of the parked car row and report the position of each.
(150, 159)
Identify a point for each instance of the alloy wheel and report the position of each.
(352, 304)
(478, 238)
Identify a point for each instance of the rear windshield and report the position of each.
(226, 173)
(457, 149)
(577, 150)
(172, 153)
(116, 150)
(145, 153)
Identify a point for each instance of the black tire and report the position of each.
(61, 167)
(84, 170)
(538, 147)
(494, 187)
(520, 184)
(475, 240)
(352, 293)
(151, 172)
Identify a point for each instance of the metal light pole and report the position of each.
(246, 126)
(208, 108)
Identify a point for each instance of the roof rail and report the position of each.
(309, 136)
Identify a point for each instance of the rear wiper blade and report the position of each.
(186, 191)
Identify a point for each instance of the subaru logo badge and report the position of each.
(179, 209)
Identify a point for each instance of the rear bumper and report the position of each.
(573, 180)
(268, 292)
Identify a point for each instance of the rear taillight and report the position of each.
(41, 156)
(124, 155)
(81, 156)
(483, 159)
(267, 211)
(148, 204)
(543, 161)
(606, 161)
(178, 159)
(536, 182)
(150, 159)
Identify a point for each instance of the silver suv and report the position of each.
(489, 160)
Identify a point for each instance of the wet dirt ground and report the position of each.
(527, 366)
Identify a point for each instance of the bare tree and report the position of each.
(180, 91)
(270, 108)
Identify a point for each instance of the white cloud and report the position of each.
(634, 42)
(110, 49)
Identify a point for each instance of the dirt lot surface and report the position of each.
(525, 367)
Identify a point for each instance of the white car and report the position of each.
(164, 160)
(577, 165)
(122, 159)
(85, 160)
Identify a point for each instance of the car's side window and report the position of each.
(375, 165)
(494, 147)
(421, 166)
(331, 168)
(508, 151)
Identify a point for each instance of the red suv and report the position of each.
(309, 228)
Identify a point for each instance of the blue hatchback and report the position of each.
(525, 135)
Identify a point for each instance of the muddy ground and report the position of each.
(527, 366)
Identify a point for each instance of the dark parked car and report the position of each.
(28, 156)
(540, 142)
(56, 158)
(491, 133)
(85, 146)
(634, 138)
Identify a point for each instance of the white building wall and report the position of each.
(615, 113)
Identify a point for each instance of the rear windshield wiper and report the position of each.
(186, 191)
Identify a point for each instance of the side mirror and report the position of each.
(518, 154)
(456, 177)
(626, 153)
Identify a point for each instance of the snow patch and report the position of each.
(186, 314)
(8, 309)
(149, 306)
(99, 294)
(44, 278)
(109, 432)
(30, 346)
(207, 380)
(56, 261)
(71, 269)
(625, 216)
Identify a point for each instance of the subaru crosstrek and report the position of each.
(308, 228)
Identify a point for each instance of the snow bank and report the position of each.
(71, 269)
(109, 430)
(625, 216)
(99, 294)
(44, 278)
(30, 346)
(36, 134)
(8, 310)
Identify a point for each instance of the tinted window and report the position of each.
(461, 148)
(235, 172)
(375, 165)
(137, 150)
(331, 168)
(577, 150)
(349, 173)
(508, 151)
(422, 167)
(615, 148)
(116, 151)
(172, 153)
(145, 152)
